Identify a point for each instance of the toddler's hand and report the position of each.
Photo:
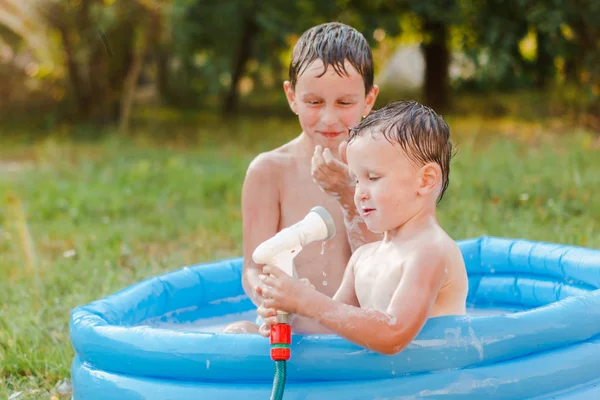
(307, 282)
(269, 317)
(282, 292)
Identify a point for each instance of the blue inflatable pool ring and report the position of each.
(533, 330)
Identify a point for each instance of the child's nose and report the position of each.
(363, 194)
(329, 116)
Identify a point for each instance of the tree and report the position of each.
(437, 17)
(232, 32)
(102, 51)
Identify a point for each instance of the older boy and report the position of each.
(400, 159)
(330, 88)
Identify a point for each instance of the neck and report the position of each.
(424, 218)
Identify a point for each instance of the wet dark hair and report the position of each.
(333, 43)
(421, 133)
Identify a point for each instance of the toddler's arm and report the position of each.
(384, 332)
(260, 216)
(301, 324)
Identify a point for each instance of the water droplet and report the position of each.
(322, 248)
(324, 273)
(324, 283)
(207, 364)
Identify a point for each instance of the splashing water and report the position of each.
(322, 253)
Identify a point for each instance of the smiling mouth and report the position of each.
(331, 134)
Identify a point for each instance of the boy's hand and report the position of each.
(282, 292)
(330, 174)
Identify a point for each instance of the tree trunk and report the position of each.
(249, 32)
(80, 97)
(140, 49)
(437, 61)
(162, 74)
(544, 63)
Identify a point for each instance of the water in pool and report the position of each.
(217, 323)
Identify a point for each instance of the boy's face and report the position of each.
(328, 105)
(386, 181)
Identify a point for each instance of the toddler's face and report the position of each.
(386, 181)
(329, 105)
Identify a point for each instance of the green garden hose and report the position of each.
(281, 339)
(279, 380)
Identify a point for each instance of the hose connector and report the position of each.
(281, 339)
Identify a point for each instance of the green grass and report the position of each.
(102, 214)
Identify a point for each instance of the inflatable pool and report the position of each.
(533, 332)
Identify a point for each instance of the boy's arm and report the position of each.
(260, 216)
(333, 176)
(384, 332)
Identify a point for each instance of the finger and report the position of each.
(317, 159)
(265, 312)
(269, 280)
(269, 302)
(271, 321)
(331, 162)
(342, 150)
(317, 172)
(328, 157)
(264, 330)
(319, 169)
(268, 292)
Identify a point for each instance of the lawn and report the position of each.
(84, 214)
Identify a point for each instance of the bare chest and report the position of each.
(376, 279)
(322, 263)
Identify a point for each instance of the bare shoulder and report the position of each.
(438, 253)
(269, 162)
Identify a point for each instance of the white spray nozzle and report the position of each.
(281, 249)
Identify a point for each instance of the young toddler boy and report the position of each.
(399, 157)
(330, 89)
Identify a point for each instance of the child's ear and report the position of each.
(291, 96)
(430, 176)
(370, 100)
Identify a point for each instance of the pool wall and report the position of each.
(549, 349)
